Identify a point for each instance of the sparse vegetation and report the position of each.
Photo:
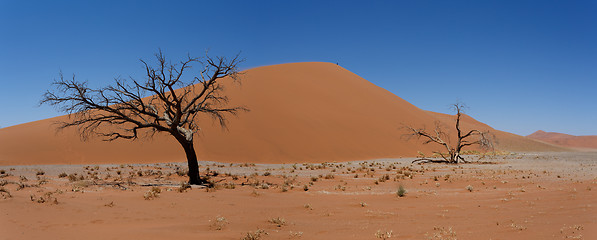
(152, 193)
(279, 222)
(442, 233)
(184, 186)
(401, 191)
(383, 234)
(256, 235)
(219, 223)
(47, 197)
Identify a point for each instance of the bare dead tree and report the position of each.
(165, 101)
(438, 136)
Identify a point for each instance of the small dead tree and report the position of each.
(438, 136)
(165, 101)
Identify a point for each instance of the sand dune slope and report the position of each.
(565, 140)
(300, 112)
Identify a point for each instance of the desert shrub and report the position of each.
(40, 172)
(401, 191)
(254, 235)
(383, 234)
(442, 233)
(267, 173)
(72, 177)
(45, 198)
(279, 222)
(62, 175)
(219, 223)
(229, 185)
(469, 188)
(183, 187)
(181, 172)
(153, 193)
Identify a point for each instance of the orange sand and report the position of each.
(571, 141)
(534, 196)
(300, 112)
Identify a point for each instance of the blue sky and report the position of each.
(520, 66)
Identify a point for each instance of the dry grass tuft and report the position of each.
(153, 193)
(279, 222)
(218, 224)
(254, 235)
(401, 191)
(184, 186)
(442, 233)
(383, 234)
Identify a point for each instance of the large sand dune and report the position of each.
(565, 140)
(300, 112)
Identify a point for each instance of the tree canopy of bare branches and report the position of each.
(166, 100)
(464, 139)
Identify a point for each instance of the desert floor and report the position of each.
(515, 196)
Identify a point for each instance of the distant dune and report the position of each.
(300, 112)
(565, 140)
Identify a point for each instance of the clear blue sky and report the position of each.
(519, 65)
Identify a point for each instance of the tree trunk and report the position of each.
(189, 150)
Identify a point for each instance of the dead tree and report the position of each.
(165, 101)
(438, 136)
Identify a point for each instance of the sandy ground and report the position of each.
(518, 196)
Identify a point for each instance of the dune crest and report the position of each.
(300, 112)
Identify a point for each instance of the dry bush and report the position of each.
(442, 233)
(279, 222)
(401, 191)
(184, 186)
(152, 193)
(296, 234)
(47, 197)
(383, 234)
(254, 235)
(219, 223)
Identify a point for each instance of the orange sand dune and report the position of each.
(300, 112)
(565, 140)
